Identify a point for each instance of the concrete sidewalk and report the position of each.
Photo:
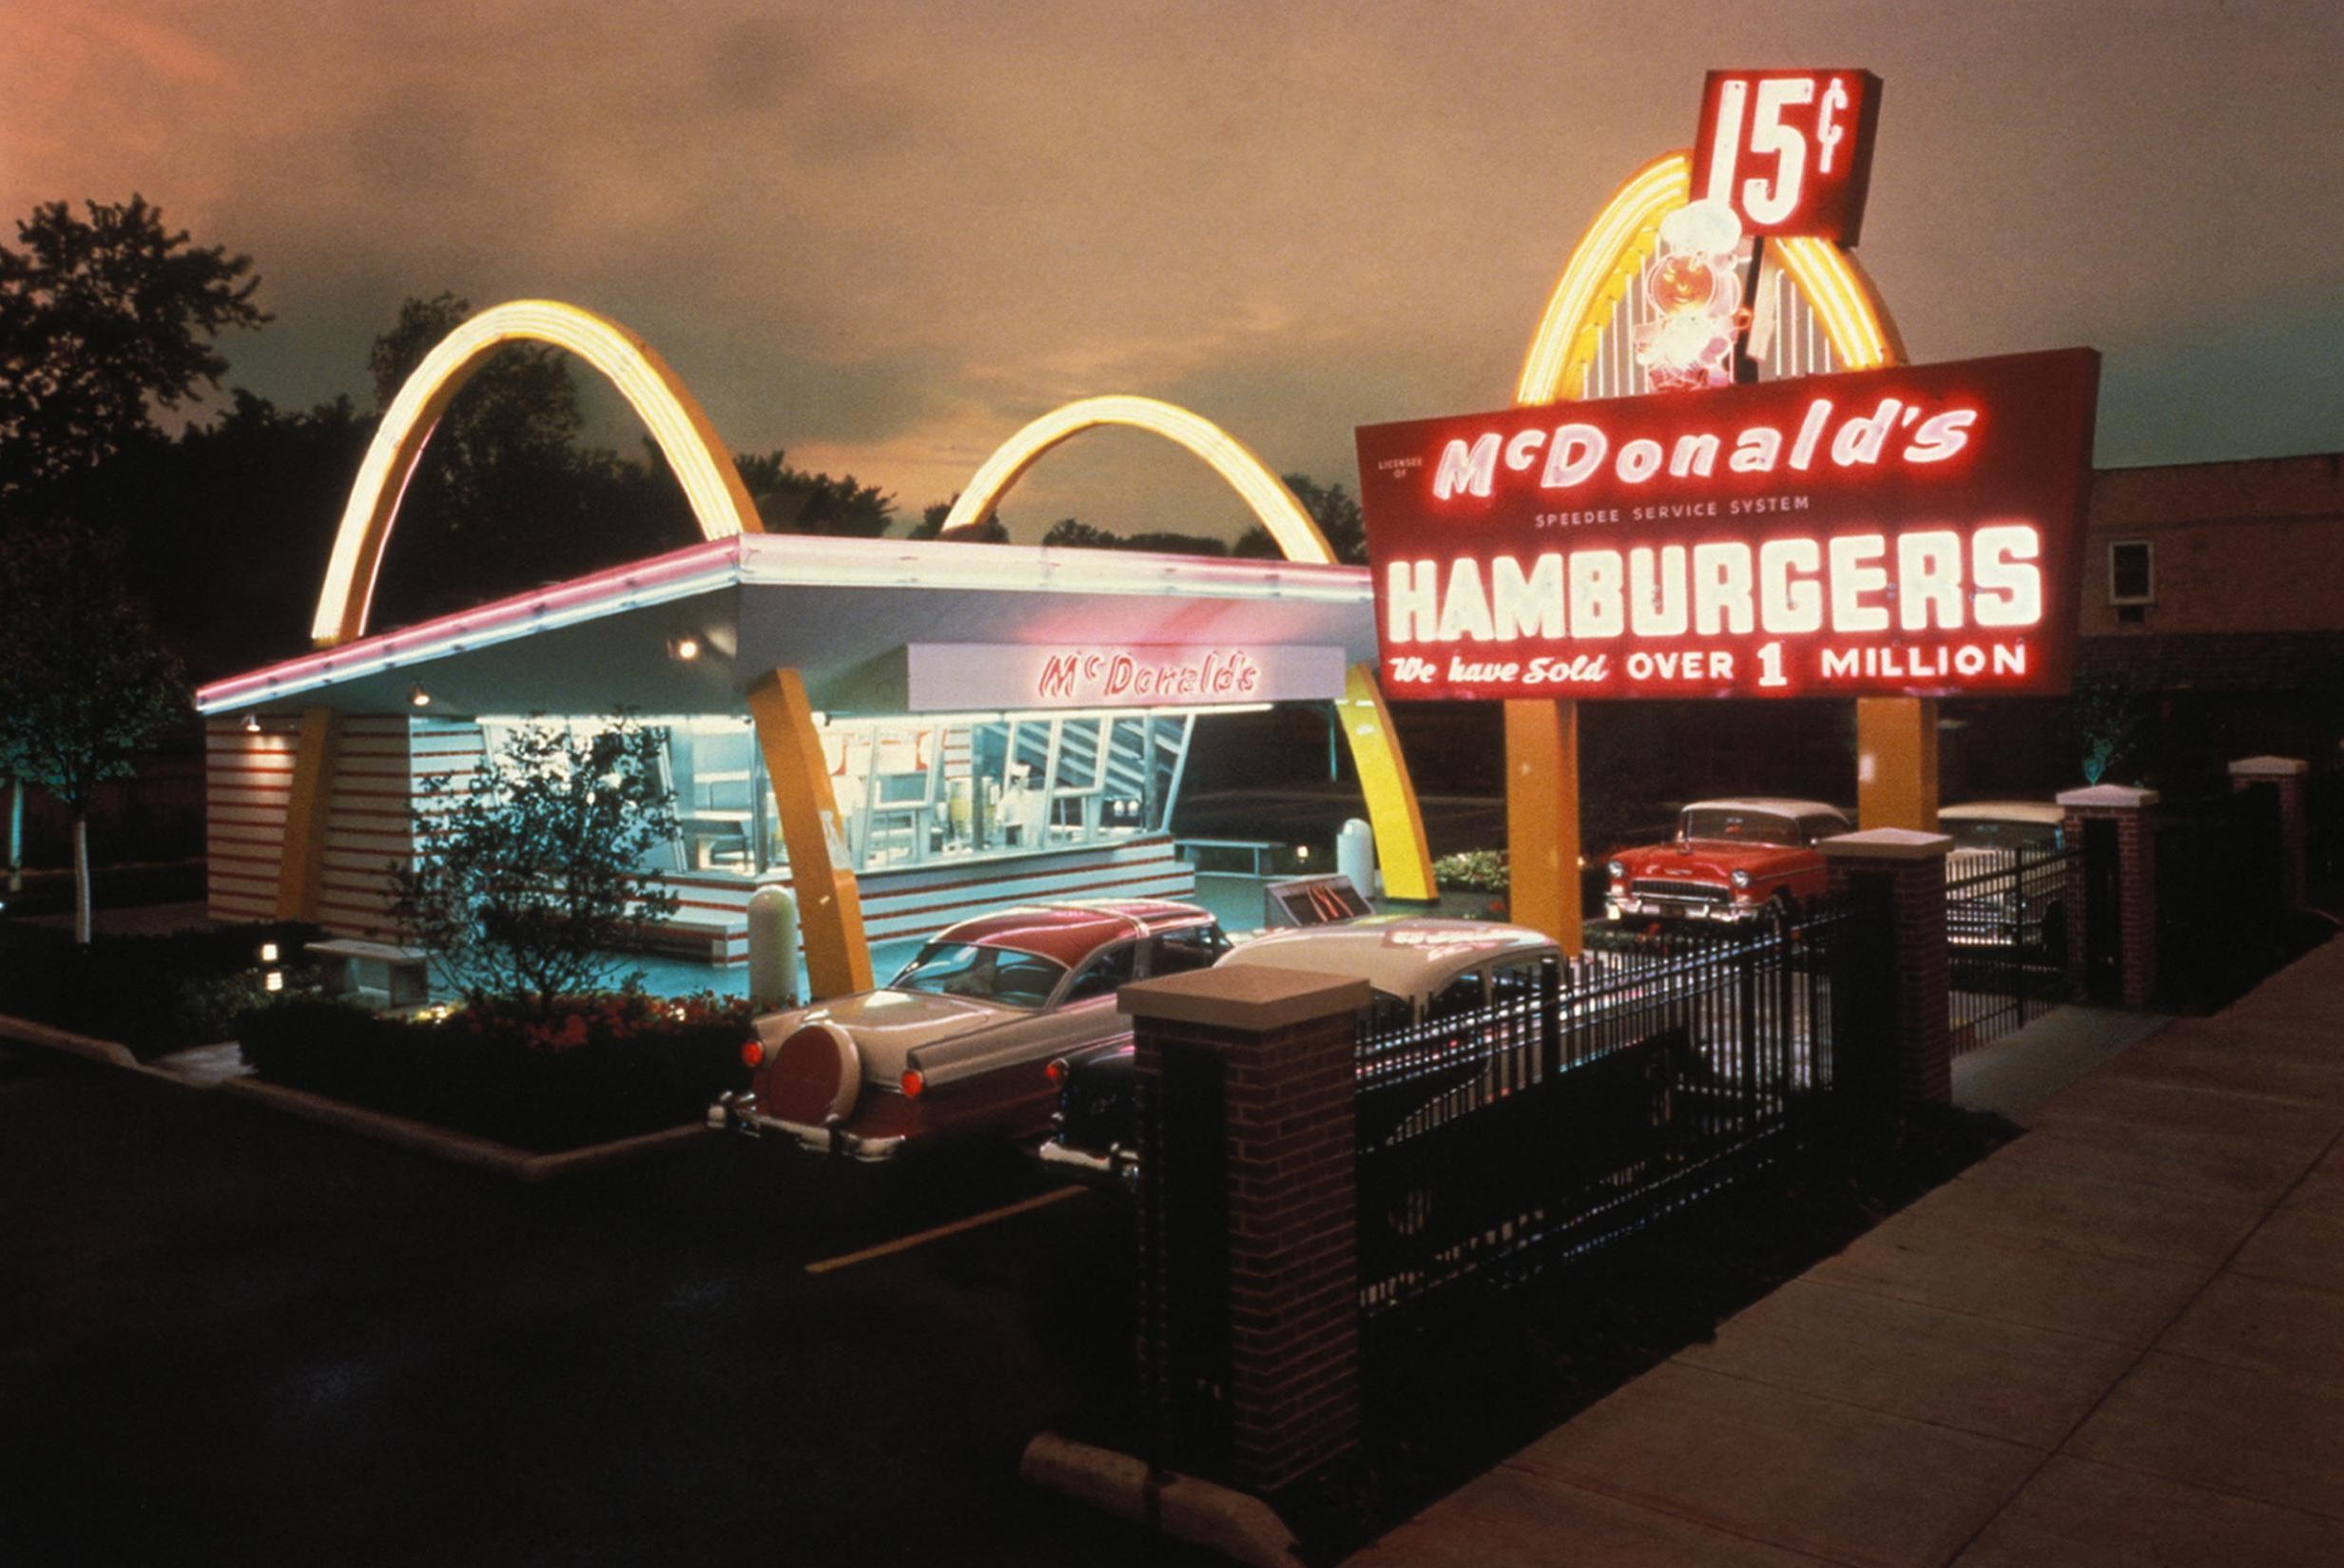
(2119, 1340)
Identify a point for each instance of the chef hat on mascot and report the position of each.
(1707, 227)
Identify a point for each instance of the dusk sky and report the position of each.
(884, 235)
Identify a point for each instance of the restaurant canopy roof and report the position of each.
(841, 611)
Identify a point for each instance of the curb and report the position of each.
(460, 1148)
(109, 1052)
(1236, 1525)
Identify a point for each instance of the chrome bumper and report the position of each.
(1679, 909)
(1117, 1164)
(738, 1114)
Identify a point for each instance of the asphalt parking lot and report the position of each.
(226, 1335)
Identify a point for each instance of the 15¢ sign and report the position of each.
(1791, 151)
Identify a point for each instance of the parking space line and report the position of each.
(904, 1244)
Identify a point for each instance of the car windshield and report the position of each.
(1703, 821)
(1980, 833)
(990, 973)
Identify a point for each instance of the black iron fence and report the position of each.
(2222, 916)
(1593, 1097)
(2006, 938)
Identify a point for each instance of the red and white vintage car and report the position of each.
(960, 1042)
(1731, 859)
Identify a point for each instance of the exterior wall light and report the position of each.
(685, 648)
(419, 697)
(252, 724)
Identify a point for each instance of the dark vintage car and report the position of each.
(971, 1036)
(1417, 969)
(1731, 859)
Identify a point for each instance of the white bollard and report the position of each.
(772, 948)
(1355, 856)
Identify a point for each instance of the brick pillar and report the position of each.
(1248, 1207)
(2291, 779)
(2133, 879)
(1899, 875)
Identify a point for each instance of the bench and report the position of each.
(1257, 850)
(400, 972)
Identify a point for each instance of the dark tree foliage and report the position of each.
(238, 515)
(1177, 544)
(1067, 534)
(527, 874)
(931, 525)
(102, 321)
(85, 685)
(790, 500)
(1333, 508)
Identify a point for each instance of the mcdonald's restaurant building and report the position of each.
(984, 723)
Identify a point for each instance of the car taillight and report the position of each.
(1056, 1071)
(752, 1052)
(913, 1083)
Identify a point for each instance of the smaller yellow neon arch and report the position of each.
(1610, 256)
(676, 421)
(1261, 490)
(1393, 813)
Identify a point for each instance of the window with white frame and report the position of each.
(2132, 573)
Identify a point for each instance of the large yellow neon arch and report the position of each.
(669, 411)
(1384, 784)
(1298, 537)
(1610, 256)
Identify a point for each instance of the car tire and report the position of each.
(1784, 908)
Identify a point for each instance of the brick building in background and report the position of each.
(2216, 591)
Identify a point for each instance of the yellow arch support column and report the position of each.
(1541, 820)
(838, 957)
(1392, 811)
(1384, 784)
(300, 864)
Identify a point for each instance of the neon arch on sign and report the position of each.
(1298, 537)
(1610, 259)
(676, 421)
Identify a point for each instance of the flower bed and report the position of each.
(594, 1069)
(155, 994)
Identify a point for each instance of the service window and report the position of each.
(1177, 951)
(1105, 974)
(2132, 573)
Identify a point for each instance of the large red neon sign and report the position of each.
(1909, 532)
(1789, 151)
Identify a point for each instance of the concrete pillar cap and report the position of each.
(1887, 843)
(2269, 767)
(2111, 797)
(1253, 997)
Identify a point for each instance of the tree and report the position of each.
(526, 874)
(102, 321)
(931, 525)
(85, 687)
(1333, 508)
(1067, 534)
(790, 500)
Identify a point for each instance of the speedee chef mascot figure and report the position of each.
(1695, 297)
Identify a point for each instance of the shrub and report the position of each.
(585, 1069)
(1472, 871)
(155, 994)
(527, 872)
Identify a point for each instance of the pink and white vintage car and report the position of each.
(962, 1041)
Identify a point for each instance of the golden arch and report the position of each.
(667, 408)
(1612, 254)
(1390, 793)
(1298, 537)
